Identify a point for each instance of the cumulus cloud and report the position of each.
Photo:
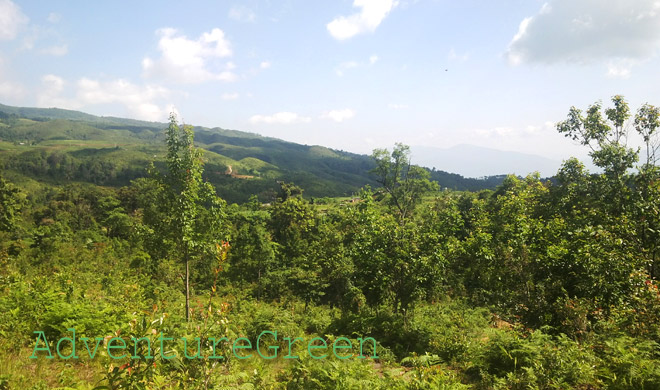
(50, 93)
(339, 115)
(620, 69)
(140, 101)
(586, 31)
(371, 14)
(191, 61)
(264, 65)
(12, 20)
(282, 118)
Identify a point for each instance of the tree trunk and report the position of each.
(187, 290)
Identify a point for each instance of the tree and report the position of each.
(605, 136)
(11, 201)
(190, 213)
(292, 223)
(647, 121)
(254, 254)
(405, 183)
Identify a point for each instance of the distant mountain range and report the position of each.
(475, 161)
(53, 146)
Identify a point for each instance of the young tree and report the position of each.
(190, 213)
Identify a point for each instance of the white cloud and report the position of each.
(140, 101)
(339, 115)
(242, 14)
(509, 133)
(54, 17)
(190, 61)
(588, 30)
(12, 20)
(619, 68)
(495, 132)
(372, 13)
(57, 50)
(265, 65)
(9, 89)
(50, 94)
(373, 59)
(283, 118)
(229, 96)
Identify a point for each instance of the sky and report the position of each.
(353, 75)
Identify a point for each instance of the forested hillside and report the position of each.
(55, 146)
(161, 283)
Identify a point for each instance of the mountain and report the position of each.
(53, 146)
(476, 161)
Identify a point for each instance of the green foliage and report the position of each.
(11, 201)
(404, 183)
(189, 216)
(534, 285)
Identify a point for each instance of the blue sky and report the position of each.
(348, 74)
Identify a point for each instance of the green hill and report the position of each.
(54, 146)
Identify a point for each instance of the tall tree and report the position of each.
(606, 136)
(647, 122)
(404, 183)
(191, 215)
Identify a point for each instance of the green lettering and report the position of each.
(291, 342)
(199, 348)
(111, 347)
(72, 340)
(98, 342)
(37, 348)
(362, 341)
(236, 346)
(335, 347)
(270, 347)
(215, 343)
(135, 348)
(162, 347)
(310, 346)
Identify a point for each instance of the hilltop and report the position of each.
(55, 146)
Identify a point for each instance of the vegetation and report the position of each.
(533, 285)
(60, 145)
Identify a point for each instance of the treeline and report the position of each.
(97, 166)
